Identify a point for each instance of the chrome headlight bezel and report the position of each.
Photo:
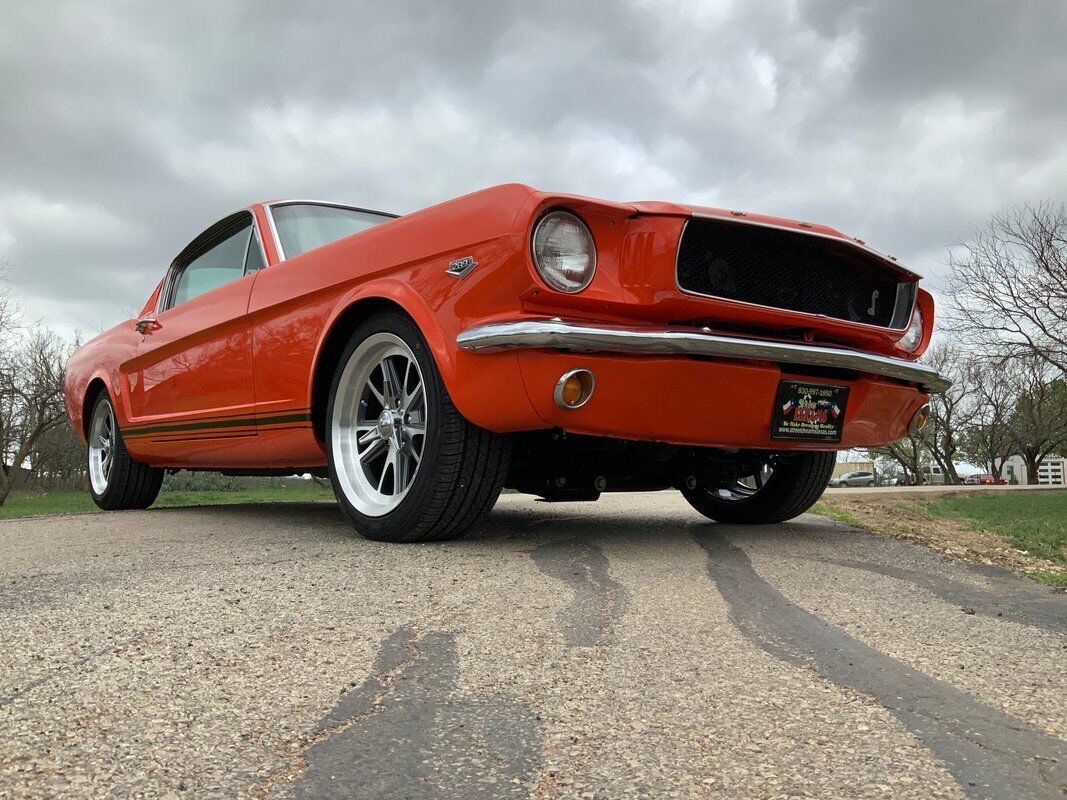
(554, 276)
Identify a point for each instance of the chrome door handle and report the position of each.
(147, 325)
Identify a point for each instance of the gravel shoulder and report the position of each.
(627, 648)
(896, 514)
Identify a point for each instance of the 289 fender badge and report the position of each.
(461, 266)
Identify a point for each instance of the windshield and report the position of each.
(303, 226)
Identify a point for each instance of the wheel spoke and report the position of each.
(403, 464)
(375, 391)
(415, 399)
(374, 449)
(390, 463)
(403, 401)
(369, 434)
(392, 385)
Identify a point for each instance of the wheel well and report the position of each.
(96, 385)
(332, 348)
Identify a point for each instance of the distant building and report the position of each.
(1052, 472)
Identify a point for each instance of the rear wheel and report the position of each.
(781, 488)
(405, 464)
(116, 481)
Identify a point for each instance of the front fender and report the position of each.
(487, 390)
(95, 362)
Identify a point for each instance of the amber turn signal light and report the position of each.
(919, 419)
(574, 389)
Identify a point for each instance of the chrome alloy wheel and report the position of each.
(378, 427)
(744, 488)
(101, 446)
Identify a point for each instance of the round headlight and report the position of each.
(564, 252)
(914, 334)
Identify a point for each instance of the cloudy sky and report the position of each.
(126, 128)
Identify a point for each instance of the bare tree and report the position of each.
(9, 312)
(911, 453)
(31, 390)
(1008, 285)
(1037, 423)
(950, 410)
(57, 459)
(987, 438)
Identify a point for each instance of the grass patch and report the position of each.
(32, 504)
(1033, 521)
(838, 515)
(1049, 578)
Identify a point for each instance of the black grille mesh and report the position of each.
(786, 270)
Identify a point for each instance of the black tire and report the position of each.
(794, 486)
(462, 468)
(130, 484)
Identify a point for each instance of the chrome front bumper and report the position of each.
(582, 337)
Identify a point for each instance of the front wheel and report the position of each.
(405, 464)
(779, 489)
(116, 481)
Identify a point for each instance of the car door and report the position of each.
(192, 377)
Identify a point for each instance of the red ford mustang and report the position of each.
(558, 345)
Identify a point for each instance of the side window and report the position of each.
(302, 227)
(222, 263)
(254, 256)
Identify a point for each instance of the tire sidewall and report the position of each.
(779, 493)
(407, 512)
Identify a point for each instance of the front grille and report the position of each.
(791, 271)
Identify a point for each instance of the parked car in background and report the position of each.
(854, 479)
(559, 345)
(934, 475)
(982, 479)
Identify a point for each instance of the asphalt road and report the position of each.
(620, 649)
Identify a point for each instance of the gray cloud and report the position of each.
(128, 128)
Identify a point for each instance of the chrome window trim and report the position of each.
(273, 232)
(259, 241)
(267, 210)
(802, 314)
(587, 337)
(168, 280)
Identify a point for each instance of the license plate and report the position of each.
(809, 412)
